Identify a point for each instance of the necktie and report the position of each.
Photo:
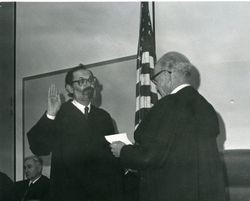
(86, 112)
(26, 192)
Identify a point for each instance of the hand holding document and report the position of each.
(118, 137)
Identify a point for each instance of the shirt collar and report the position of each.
(34, 181)
(179, 88)
(80, 106)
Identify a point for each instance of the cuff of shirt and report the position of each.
(50, 116)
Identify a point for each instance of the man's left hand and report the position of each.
(116, 148)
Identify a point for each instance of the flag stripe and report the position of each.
(140, 74)
(138, 114)
(149, 101)
(154, 98)
(143, 102)
(143, 90)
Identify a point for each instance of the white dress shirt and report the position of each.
(78, 106)
(32, 182)
(179, 88)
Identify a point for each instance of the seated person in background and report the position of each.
(6, 184)
(36, 186)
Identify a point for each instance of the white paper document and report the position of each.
(118, 137)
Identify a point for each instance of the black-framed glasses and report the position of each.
(157, 74)
(82, 81)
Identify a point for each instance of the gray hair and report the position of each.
(176, 61)
(35, 159)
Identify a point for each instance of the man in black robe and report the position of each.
(82, 166)
(175, 146)
(36, 186)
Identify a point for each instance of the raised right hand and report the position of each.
(54, 100)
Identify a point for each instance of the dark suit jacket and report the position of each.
(82, 166)
(37, 191)
(6, 185)
(176, 151)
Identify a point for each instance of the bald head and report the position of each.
(175, 69)
(175, 61)
(173, 58)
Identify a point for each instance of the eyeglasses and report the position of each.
(157, 74)
(82, 81)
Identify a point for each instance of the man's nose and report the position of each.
(86, 84)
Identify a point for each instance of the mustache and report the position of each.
(88, 91)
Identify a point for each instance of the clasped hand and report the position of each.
(116, 148)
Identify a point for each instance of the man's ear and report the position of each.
(40, 169)
(69, 89)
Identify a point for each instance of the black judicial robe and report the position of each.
(37, 191)
(176, 151)
(82, 165)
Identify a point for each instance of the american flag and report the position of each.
(146, 94)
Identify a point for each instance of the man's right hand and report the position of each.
(54, 100)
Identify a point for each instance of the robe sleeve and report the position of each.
(153, 149)
(40, 136)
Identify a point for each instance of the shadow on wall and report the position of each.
(97, 97)
(221, 138)
(195, 78)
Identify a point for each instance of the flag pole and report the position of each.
(153, 15)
